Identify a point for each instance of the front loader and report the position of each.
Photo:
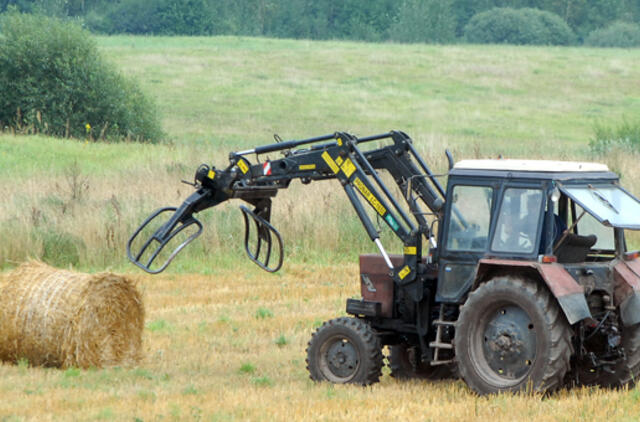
(526, 283)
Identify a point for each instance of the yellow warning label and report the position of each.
(243, 166)
(404, 272)
(348, 168)
(339, 161)
(307, 167)
(410, 250)
(211, 174)
(369, 196)
(340, 141)
(330, 162)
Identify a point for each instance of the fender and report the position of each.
(626, 293)
(563, 287)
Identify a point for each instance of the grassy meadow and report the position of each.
(223, 340)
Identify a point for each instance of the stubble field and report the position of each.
(230, 346)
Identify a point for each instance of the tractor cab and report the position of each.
(528, 210)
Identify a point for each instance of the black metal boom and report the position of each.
(337, 156)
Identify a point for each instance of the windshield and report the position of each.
(609, 204)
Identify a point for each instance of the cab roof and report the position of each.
(531, 165)
(533, 169)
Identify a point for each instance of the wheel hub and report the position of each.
(342, 358)
(509, 345)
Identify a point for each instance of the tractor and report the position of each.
(515, 276)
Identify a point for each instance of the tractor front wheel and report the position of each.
(345, 350)
(512, 336)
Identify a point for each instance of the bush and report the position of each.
(60, 249)
(518, 26)
(625, 135)
(53, 80)
(620, 34)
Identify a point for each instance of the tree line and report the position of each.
(434, 21)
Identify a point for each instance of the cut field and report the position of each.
(224, 341)
(231, 346)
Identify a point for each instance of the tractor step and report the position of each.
(444, 323)
(442, 362)
(438, 345)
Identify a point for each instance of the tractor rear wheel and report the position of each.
(512, 336)
(345, 350)
(404, 364)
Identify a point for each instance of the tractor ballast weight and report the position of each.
(502, 294)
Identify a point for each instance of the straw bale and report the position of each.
(63, 318)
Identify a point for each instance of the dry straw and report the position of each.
(62, 318)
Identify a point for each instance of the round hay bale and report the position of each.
(62, 318)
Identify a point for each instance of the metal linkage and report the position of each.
(333, 156)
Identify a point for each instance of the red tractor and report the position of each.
(526, 284)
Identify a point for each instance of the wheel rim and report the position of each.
(505, 344)
(339, 359)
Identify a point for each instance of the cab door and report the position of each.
(465, 238)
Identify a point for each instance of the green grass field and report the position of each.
(225, 341)
(221, 94)
(237, 91)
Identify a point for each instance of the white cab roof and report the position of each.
(531, 165)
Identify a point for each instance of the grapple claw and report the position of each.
(160, 238)
(264, 235)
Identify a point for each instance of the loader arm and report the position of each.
(336, 156)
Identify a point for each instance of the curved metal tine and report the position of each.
(263, 234)
(147, 267)
(140, 228)
(179, 248)
(267, 229)
(173, 234)
(269, 241)
(258, 238)
(280, 251)
(247, 231)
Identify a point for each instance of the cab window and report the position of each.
(517, 226)
(588, 225)
(470, 218)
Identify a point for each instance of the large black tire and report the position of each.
(626, 371)
(345, 350)
(405, 365)
(511, 336)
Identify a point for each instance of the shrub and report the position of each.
(625, 135)
(518, 26)
(59, 248)
(619, 34)
(53, 80)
